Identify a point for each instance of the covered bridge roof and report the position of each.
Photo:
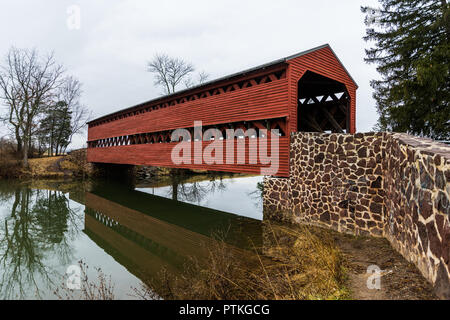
(221, 79)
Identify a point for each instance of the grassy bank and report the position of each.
(68, 166)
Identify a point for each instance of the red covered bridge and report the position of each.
(309, 91)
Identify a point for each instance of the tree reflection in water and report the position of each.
(41, 234)
(35, 237)
(196, 191)
(257, 195)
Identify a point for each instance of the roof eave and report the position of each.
(319, 48)
(237, 74)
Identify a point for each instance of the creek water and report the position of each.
(129, 233)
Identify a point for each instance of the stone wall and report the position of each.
(379, 184)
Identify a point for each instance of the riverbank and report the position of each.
(73, 165)
(304, 263)
(295, 263)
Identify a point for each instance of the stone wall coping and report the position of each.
(424, 145)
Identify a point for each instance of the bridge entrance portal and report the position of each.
(323, 104)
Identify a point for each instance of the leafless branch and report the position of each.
(27, 85)
(169, 72)
(70, 92)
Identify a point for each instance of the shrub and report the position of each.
(10, 168)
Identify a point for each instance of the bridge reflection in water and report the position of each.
(147, 233)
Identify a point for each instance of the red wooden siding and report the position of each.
(159, 154)
(269, 92)
(260, 102)
(325, 63)
(263, 101)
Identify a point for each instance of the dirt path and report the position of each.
(400, 280)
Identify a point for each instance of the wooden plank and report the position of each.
(262, 101)
(332, 120)
(159, 154)
(311, 122)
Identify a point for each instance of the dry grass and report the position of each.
(68, 165)
(101, 288)
(73, 165)
(76, 163)
(10, 168)
(45, 167)
(295, 264)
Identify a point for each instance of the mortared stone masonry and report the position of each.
(379, 184)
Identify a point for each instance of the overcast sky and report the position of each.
(108, 53)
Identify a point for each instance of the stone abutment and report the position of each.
(378, 184)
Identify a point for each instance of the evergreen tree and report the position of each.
(55, 128)
(412, 54)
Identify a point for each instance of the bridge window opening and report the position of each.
(323, 105)
(242, 130)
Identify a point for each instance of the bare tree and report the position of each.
(70, 92)
(169, 72)
(202, 77)
(27, 84)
